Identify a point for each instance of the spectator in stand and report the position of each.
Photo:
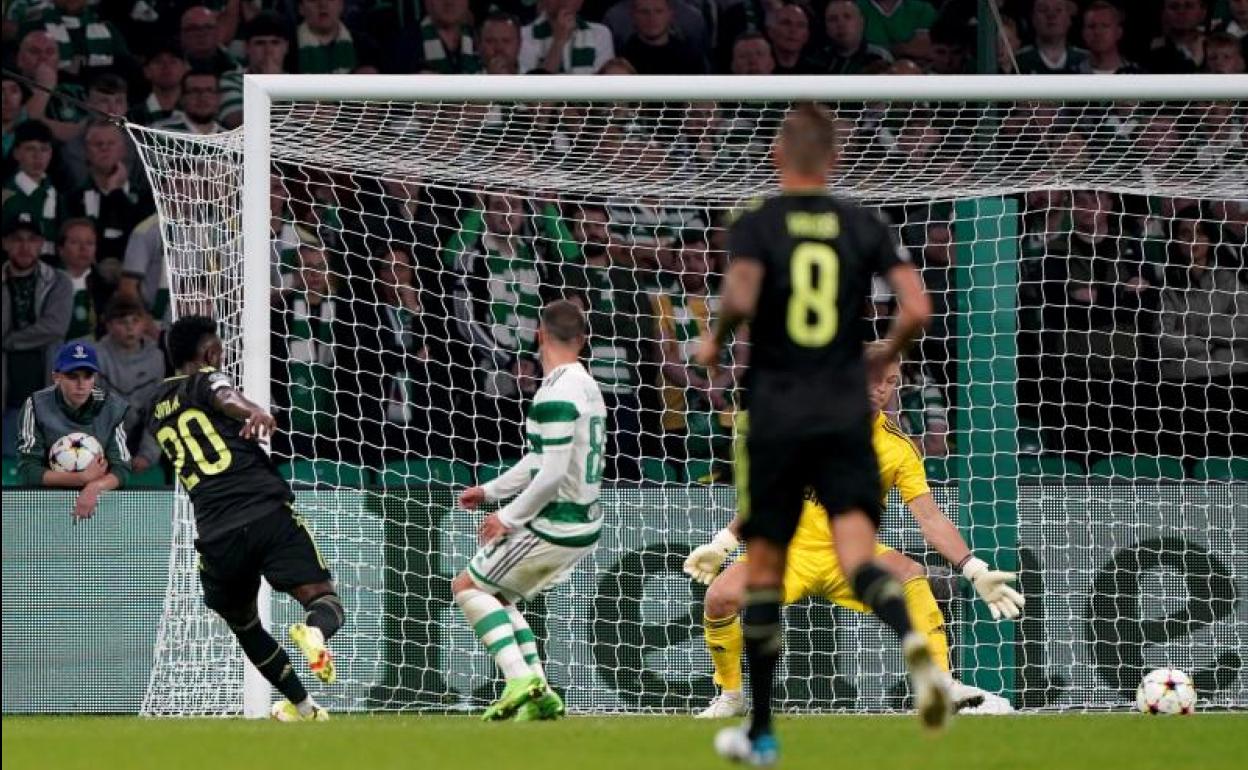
(442, 43)
(500, 44)
(91, 288)
(86, 43)
(132, 366)
(164, 69)
(922, 410)
(847, 51)
(936, 267)
(1181, 47)
(788, 29)
(264, 38)
(201, 103)
(689, 21)
(1051, 53)
(751, 55)
(1102, 37)
(560, 40)
(143, 275)
(29, 192)
(12, 114)
(901, 26)
(1235, 23)
(1204, 345)
(108, 199)
(620, 331)
(1224, 54)
(323, 43)
(201, 41)
(36, 310)
(657, 47)
(107, 95)
(37, 60)
(73, 404)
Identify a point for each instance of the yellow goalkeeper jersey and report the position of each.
(901, 466)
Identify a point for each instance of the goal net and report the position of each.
(1079, 398)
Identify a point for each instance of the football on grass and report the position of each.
(74, 452)
(1166, 691)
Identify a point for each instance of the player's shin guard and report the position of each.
(325, 613)
(882, 593)
(525, 640)
(926, 618)
(724, 641)
(490, 623)
(760, 624)
(270, 660)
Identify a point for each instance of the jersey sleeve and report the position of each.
(745, 235)
(886, 252)
(911, 479)
(206, 386)
(552, 422)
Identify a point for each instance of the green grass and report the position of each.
(1051, 742)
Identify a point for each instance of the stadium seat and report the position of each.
(152, 478)
(422, 472)
(936, 468)
(487, 472)
(1054, 466)
(1147, 467)
(1222, 469)
(323, 473)
(11, 477)
(658, 471)
(699, 471)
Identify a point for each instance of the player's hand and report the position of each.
(88, 498)
(707, 354)
(705, 562)
(491, 529)
(1002, 600)
(259, 426)
(94, 471)
(471, 497)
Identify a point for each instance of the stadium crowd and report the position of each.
(404, 315)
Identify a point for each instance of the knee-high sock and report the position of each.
(760, 624)
(525, 640)
(490, 623)
(325, 612)
(927, 619)
(270, 660)
(724, 640)
(882, 593)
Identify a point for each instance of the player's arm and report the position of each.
(738, 302)
(705, 561)
(914, 308)
(257, 423)
(507, 485)
(941, 534)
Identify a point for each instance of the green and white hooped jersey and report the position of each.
(568, 410)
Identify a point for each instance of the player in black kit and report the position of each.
(800, 273)
(244, 515)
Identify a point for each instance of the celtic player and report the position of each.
(534, 541)
(813, 569)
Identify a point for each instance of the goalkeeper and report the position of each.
(812, 568)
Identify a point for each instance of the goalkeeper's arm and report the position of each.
(705, 561)
(990, 584)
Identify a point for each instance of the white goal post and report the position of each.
(340, 121)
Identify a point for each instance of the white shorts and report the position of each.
(521, 565)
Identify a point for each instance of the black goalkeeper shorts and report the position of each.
(278, 547)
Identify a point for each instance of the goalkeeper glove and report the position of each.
(990, 584)
(705, 561)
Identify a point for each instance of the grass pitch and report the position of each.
(1050, 742)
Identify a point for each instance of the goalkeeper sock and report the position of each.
(724, 641)
(490, 623)
(270, 660)
(760, 624)
(525, 640)
(927, 619)
(325, 612)
(882, 593)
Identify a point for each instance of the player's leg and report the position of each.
(488, 618)
(925, 615)
(721, 627)
(293, 564)
(549, 705)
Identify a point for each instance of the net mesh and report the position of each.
(1079, 398)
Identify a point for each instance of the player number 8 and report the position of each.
(815, 272)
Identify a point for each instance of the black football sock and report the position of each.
(884, 595)
(760, 623)
(325, 612)
(270, 660)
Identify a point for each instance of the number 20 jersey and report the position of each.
(231, 480)
(819, 254)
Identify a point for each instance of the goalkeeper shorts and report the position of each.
(521, 565)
